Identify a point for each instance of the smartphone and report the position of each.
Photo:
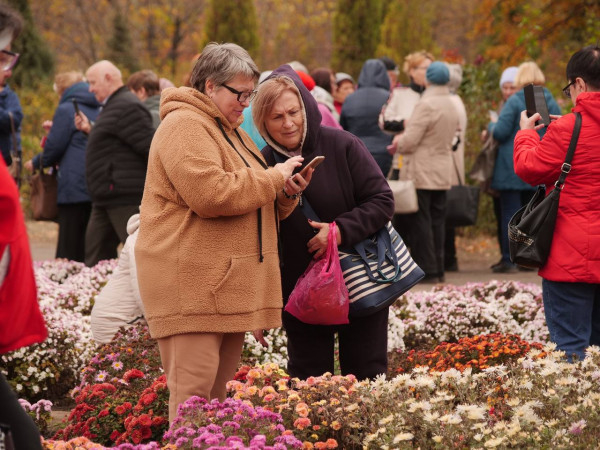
(314, 163)
(76, 106)
(535, 101)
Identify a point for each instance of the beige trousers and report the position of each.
(199, 364)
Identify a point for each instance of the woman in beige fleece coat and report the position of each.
(207, 250)
(426, 146)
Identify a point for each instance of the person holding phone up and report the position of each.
(571, 276)
(65, 147)
(513, 191)
(347, 187)
(207, 250)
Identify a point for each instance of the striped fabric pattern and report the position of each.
(367, 294)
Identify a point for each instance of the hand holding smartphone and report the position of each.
(313, 164)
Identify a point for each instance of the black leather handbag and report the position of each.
(462, 204)
(531, 229)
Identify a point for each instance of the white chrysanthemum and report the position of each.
(403, 437)
(473, 412)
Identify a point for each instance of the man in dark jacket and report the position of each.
(116, 160)
(360, 113)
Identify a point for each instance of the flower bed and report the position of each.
(66, 292)
(465, 369)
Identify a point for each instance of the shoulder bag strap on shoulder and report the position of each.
(566, 167)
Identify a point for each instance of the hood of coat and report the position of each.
(192, 100)
(81, 94)
(590, 103)
(311, 113)
(374, 74)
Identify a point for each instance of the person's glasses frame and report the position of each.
(566, 90)
(8, 59)
(241, 96)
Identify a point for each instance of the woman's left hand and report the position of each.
(528, 123)
(297, 183)
(318, 244)
(259, 335)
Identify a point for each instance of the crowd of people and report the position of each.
(202, 185)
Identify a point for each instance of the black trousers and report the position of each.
(362, 346)
(72, 223)
(24, 432)
(427, 231)
(106, 228)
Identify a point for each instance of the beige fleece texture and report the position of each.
(197, 251)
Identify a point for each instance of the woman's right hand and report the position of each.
(82, 123)
(287, 168)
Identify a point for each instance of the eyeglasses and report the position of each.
(566, 89)
(8, 59)
(246, 96)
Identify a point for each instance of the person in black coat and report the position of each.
(347, 188)
(360, 113)
(116, 160)
(65, 147)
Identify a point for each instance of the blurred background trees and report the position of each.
(167, 35)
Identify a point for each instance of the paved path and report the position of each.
(474, 255)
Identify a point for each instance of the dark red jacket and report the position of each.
(21, 322)
(575, 252)
(347, 187)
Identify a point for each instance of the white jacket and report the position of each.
(119, 302)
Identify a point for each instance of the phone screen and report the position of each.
(535, 101)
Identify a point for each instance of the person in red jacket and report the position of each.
(21, 322)
(571, 276)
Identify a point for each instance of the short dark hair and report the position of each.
(10, 19)
(388, 62)
(144, 79)
(585, 64)
(322, 77)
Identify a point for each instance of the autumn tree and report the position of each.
(295, 30)
(232, 21)
(36, 62)
(547, 31)
(407, 27)
(356, 33)
(120, 49)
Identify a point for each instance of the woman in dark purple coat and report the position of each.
(348, 188)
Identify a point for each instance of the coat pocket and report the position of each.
(246, 283)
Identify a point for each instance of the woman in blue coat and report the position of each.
(514, 192)
(65, 148)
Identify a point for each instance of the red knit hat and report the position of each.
(307, 80)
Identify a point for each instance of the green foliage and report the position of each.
(480, 93)
(407, 27)
(356, 26)
(36, 62)
(120, 48)
(232, 21)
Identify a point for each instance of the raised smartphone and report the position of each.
(76, 106)
(535, 101)
(314, 163)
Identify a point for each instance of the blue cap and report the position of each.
(438, 73)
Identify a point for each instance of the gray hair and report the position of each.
(220, 63)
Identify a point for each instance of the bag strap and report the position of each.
(566, 167)
(259, 210)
